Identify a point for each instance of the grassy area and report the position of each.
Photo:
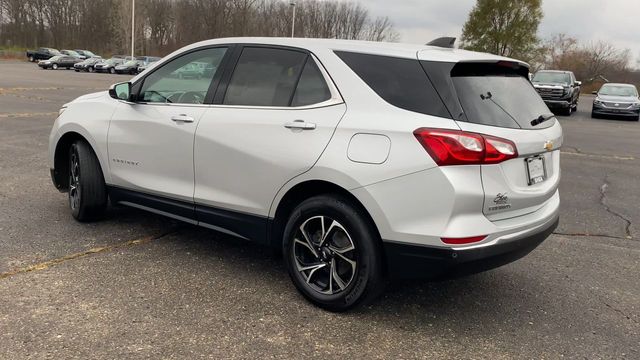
(12, 52)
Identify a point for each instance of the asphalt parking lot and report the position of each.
(140, 286)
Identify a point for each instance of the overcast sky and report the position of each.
(420, 21)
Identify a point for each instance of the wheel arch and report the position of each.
(60, 163)
(302, 191)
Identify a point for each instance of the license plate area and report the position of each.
(536, 170)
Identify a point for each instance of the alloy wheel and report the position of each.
(324, 255)
(74, 179)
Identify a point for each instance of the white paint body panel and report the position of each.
(244, 159)
(243, 156)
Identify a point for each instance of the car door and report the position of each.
(150, 141)
(271, 119)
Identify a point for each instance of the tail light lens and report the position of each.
(456, 147)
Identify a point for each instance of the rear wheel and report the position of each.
(87, 190)
(333, 253)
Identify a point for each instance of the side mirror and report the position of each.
(578, 83)
(121, 91)
(594, 92)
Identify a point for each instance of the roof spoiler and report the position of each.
(443, 42)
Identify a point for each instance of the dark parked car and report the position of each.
(73, 53)
(616, 100)
(86, 53)
(41, 54)
(559, 89)
(87, 65)
(148, 61)
(128, 67)
(108, 65)
(60, 61)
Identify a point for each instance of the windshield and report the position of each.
(54, 58)
(618, 90)
(500, 100)
(72, 53)
(552, 77)
(131, 63)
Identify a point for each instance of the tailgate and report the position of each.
(522, 185)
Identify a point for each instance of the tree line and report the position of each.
(510, 28)
(104, 26)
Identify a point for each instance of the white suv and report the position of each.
(361, 161)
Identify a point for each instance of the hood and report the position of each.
(549, 85)
(619, 99)
(87, 97)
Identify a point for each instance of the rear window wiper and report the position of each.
(542, 118)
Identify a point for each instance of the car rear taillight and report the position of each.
(456, 147)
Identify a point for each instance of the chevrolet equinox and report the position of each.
(361, 161)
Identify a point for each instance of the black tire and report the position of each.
(566, 111)
(112, 70)
(87, 190)
(54, 66)
(32, 59)
(366, 275)
(90, 69)
(593, 115)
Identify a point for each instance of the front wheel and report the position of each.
(87, 190)
(333, 253)
(112, 70)
(54, 66)
(32, 59)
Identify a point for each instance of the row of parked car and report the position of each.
(84, 60)
(561, 91)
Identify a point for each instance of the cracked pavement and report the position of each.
(138, 285)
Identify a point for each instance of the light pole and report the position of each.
(293, 19)
(133, 27)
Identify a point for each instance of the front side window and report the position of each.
(184, 80)
(265, 77)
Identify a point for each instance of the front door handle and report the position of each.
(300, 124)
(182, 118)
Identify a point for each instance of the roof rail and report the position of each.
(443, 42)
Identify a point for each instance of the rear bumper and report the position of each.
(415, 261)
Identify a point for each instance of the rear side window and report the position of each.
(498, 96)
(400, 82)
(265, 77)
(312, 88)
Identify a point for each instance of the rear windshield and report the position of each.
(497, 96)
(552, 77)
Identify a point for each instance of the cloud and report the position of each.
(419, 21)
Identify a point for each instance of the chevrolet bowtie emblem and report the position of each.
(548, 145)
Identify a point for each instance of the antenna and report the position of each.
(443, 42)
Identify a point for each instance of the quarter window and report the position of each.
(265, 77)
(312, 88)
(401, 82)
(184, 80)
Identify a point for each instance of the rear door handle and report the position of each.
(300, 124)
(182, 118)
